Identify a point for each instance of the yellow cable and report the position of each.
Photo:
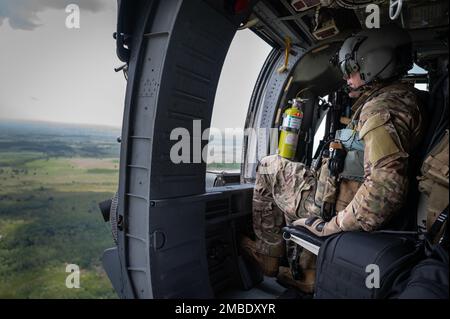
(287, 51)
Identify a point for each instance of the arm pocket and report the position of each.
(378, 138)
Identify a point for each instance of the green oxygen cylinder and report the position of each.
(290, 129)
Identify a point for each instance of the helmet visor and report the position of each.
(348, 66)
(346, 69)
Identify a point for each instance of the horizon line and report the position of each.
(5, 119)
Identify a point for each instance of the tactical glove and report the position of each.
(318, 226)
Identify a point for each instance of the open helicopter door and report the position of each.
(176, 52)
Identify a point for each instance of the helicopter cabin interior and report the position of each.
(177, 232)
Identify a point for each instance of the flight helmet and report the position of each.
(377, 54)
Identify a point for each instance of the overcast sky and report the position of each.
(52, 73)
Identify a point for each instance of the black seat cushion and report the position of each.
(343, 260)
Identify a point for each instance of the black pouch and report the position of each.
(429, 279)
(360, 265)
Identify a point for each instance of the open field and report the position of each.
(59, 173)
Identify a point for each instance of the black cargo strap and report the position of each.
(435, 229)
(444, 241)
(438, 223)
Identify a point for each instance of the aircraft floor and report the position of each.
(267, 289)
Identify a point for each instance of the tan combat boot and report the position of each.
(269, 265)
(305, 284)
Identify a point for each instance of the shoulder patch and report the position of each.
(379, 142)
(373, 122)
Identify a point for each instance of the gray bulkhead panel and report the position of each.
(180, 53)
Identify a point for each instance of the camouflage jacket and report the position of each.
(390, 124)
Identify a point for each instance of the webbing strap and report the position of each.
(437, 225)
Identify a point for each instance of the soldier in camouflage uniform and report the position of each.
(388, 121)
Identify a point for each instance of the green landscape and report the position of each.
(52, 177)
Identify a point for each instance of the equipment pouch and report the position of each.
(350, 139)
(353, 166)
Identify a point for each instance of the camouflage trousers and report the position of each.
(284, 192)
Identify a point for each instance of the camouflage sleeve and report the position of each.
(388, 124)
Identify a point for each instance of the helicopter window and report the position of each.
(320, 133)
(240, 71)
(419, 71)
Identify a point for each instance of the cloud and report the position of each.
(22, 14)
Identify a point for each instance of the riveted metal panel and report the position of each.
(177, 53)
